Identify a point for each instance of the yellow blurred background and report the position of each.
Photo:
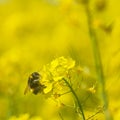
(34, 32)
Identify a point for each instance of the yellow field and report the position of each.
(75, 47)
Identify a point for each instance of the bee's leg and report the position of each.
(26, 89)
(36, 90)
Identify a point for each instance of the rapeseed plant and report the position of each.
(62, 76)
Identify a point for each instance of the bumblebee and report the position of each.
(34, 84)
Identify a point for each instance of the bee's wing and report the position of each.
(27, 89)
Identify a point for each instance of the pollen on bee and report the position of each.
(31, 90)
(31, 76)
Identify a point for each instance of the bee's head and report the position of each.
(35, 75)
(33, 79)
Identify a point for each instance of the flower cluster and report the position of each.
(53, 73)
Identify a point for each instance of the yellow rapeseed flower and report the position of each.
(55, 71)
(92, 89)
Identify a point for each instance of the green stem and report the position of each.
(61, 116)
(94, 115)
(76, 98)
(98, 63)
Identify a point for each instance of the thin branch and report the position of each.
(94, 115)
(61, 116)
(76, 98)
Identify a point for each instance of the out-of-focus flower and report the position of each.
(85, 70)
(92, 89)
(101, 5)
(21, 117)
(24, 117)
(65, 5)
